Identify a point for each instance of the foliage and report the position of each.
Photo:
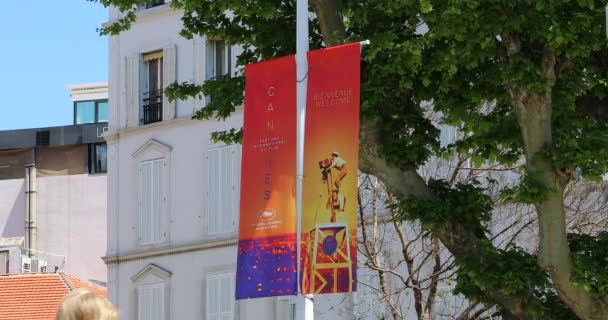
(516, 273)
(591, 260)
(466, 203)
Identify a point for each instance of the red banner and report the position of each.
(267, 230)
(329, 217)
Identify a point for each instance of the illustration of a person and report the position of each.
(336, 202)
(340, 164)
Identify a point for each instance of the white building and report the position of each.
(53, 192)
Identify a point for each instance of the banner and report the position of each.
(331, 149)
(266, 263)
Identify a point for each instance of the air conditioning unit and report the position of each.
(38, 265)
(26, 264)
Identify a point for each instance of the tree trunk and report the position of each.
(534, 114)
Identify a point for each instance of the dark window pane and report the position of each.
(101, 157)
(219, 58)
(102, 111)
(85, 112)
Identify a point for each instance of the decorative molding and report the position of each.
(140, 255)
(155, 145)
(151, 269)
(114, 135)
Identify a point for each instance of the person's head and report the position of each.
(334, 155)
(334, 195)
(83, 304)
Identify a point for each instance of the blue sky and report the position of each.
(46, 45)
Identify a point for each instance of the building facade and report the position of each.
(53, 187)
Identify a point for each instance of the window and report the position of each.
(223, 189)
(102, 111)
(153, 93)
(98, 158)
(220, 297)
(152, 3)
(218, 59)
(4, 262)
(151, 304)
(152, 202)
(90, 111)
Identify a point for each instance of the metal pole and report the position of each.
(304, 303)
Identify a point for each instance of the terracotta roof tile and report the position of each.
(37, 296)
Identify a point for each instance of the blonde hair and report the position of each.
(83, 304)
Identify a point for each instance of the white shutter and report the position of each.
(236, 185)
(213, 309)
(213, 191)
(151, 304)
(223, 189)
(145, 205)
(169, 76)
(235, 53)
(133, 83)
(226, 202)
(226, 300)
(153, 202)
(220, 301)
(3, 263)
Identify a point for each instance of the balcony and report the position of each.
(153, 106)
(151, 4)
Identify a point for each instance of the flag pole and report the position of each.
(304, 303)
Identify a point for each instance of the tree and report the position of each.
(522, 80)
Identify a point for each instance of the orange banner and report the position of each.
(329, 215)
(267, 228)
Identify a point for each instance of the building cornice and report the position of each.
(114, 135)
(140, 255)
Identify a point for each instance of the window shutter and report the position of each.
(213, 311)
(3, 262)
(169, 76)
(226, 193)
(236, 52)
(236, 185)
(151, 304)
(220, 302)
(157, 201)
(133, 89)
(226, 302)
(146, 205)
(153, 202)
(213, 190)
(210, 60)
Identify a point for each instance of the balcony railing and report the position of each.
(151, 4)
(153, 106)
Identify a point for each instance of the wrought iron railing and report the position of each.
(154, 3)
(153, 106)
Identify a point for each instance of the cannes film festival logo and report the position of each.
(267, 214)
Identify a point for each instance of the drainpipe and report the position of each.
(30, 206)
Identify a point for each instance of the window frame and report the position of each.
(214, 272)
(157, 3)
(163, 212)
(152, 96)
(212, 61)
(152, 275)
(93, 158)
(162, 303)
(236, 150)
(7, 255)
(97, 102)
